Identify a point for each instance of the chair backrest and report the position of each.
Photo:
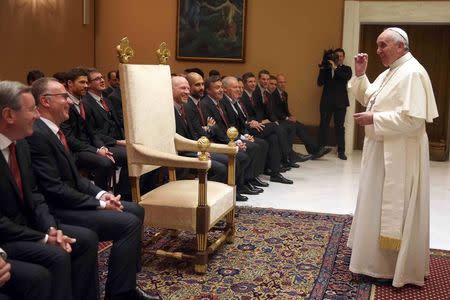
(148, 111)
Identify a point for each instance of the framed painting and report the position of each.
(211, 30)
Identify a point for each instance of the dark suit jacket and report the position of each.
(19, 221)
(195, 120)
(280, 108)
(116, 100)
(182, 128)
(256, 112)
(234, 119)
(334, 95)
(79, 135)
(210, 110)
(56, 174)
(105, 125)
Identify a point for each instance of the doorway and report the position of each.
(430, 45)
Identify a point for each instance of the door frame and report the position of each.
(382, 12)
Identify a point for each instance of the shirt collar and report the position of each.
(74, 99)
(229, 99)
(177, 107)
(4, 142)
(248, 93)
(53, 127)
(196, 101)
(401, 60)
(96, 97)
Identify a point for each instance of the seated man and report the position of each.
(49, 260)
(180, 91)
(75, 200)
(279, 112)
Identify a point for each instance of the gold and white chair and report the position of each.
(152, 142)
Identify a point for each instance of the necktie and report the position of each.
(183, 114)
(222, 115)
(266, 97)
(201, 114)
(241, 108)
(63, 140)
(105, 106)
(252, 101)
(14, 166)
(82, 111)
(283, 96)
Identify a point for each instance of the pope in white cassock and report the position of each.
(390, 231)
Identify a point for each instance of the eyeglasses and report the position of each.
(98, 78)
(64, 95)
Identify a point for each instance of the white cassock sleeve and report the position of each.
(391, 123)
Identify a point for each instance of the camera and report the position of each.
(328, 55)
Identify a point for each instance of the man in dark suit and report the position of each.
(259, 125)
(75, 200)
(334, 101)
(279, 111)
(113, 82)
(256, 148)
(89, 151)
(48, 260)
(245, 162)
(103, 119)
(180, 91)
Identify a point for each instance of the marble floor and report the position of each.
(330, 185)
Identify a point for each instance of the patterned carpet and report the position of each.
(277, 254)
(437, 285)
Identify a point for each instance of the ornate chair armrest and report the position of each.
(144, 155)
(184, 144)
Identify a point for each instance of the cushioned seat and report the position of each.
(174, 205)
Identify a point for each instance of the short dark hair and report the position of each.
(89, 71)
(210, 81)
(113, 71)
(61, 77)
(339, 50)
(34, 75)
(247, 75)
(74, 73)
(214, 73)
(263, 71)
(239, 79)
(273, 77)
(10, 93)
(195, 70)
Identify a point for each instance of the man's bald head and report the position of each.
(180, 89)
(197, 85)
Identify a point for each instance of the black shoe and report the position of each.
(293, 165)
(304, 157)
(258, 182)
(321, 152)
(254, 188)
(279, 178)
(246, 190)
(141, 295)
(241, 198)
(283, 169)
(342, 156)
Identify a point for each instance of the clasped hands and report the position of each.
(58, 238)
(112, 202)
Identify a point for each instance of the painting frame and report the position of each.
(211, 30)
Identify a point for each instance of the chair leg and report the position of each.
(201, 262)
(230, 224)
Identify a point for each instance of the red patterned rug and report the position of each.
(277, 254)
(437, 285)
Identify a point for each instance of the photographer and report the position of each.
(333, 76)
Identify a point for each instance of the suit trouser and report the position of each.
(339, 119)
(39, 270)
(263, 149)
(301, 132)
(275, 129)
(219, 166)
(124, 229)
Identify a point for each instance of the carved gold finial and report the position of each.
(232, 133)
(163, 53)
(124, 51)
(203, 144)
